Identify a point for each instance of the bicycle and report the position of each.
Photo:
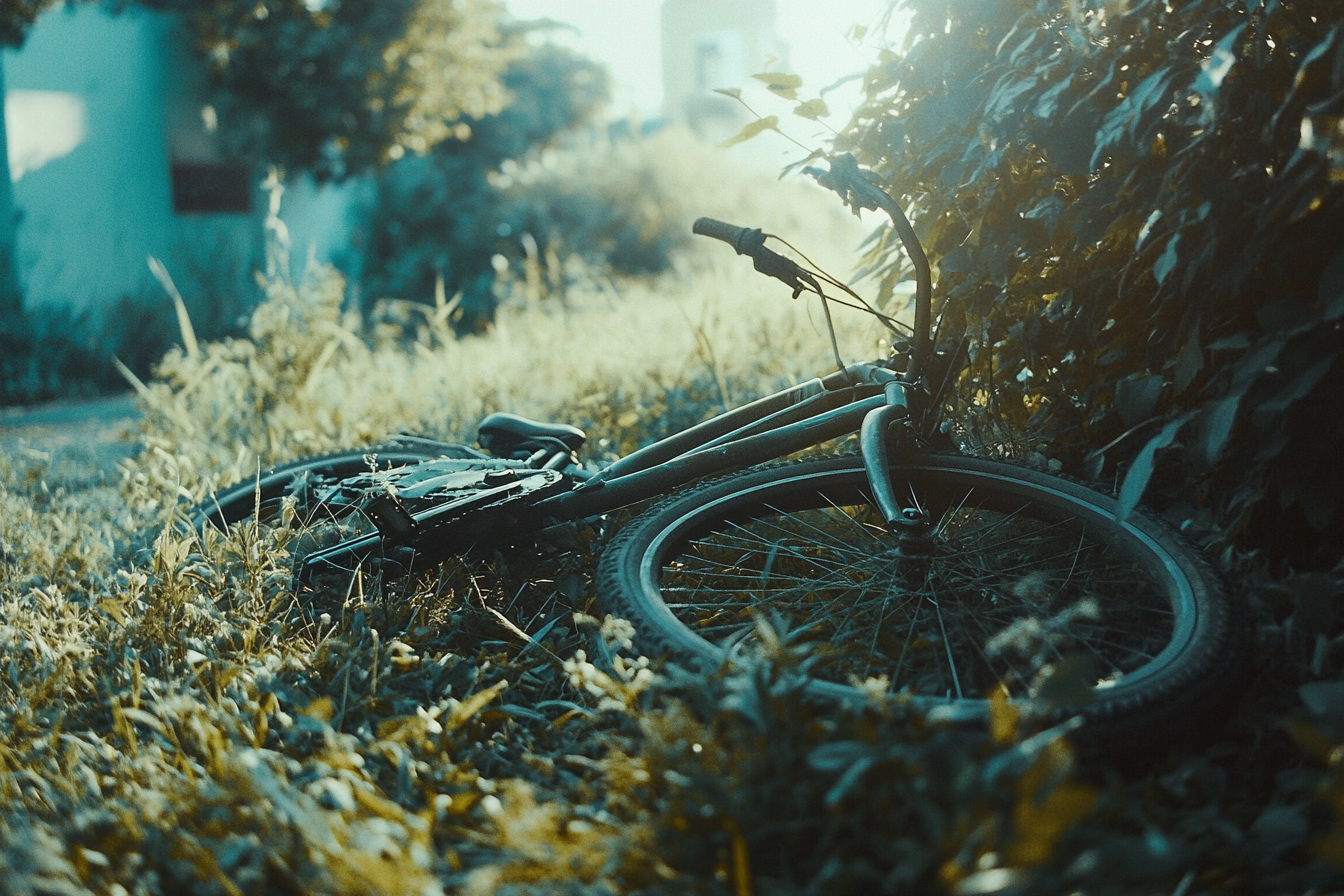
(955, 577)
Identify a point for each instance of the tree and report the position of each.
(338, 88)
(335, 87)
(17, 16)
(1134, 211)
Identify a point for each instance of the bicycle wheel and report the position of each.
(1027, 579)
(261, 495)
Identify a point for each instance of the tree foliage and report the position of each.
(339, 88)
(439, 215)
(16, 17)
(335, 88)
(1134, 209)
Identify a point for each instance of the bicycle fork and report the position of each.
(910, 523)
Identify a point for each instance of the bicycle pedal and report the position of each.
(393, 520)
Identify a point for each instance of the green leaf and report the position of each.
(955, 261)
(1135, 398)
(1294, 389)
(1216, 425)
(1220, 61)
(1006, 98)
(1234, 341)
(1163, 267)
(729, 91)
(780, 84)
(1126, 124)
(1048, 102)
(769, 123)
(1047, 211)
(812, 109)
(1147, 228)
(1323, 698)
(1189, 361)
(1136, 480)
(852, 778)
(1070, 141)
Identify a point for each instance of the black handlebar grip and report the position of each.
(743, 239)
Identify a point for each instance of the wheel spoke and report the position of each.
(951, 663)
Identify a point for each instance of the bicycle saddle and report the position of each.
(502, 433)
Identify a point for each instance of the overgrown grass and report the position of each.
(171, 720)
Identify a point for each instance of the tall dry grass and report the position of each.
(627, 359)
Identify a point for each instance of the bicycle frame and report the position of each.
(771, 427)
(867, 398)
(766, 429)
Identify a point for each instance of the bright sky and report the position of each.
(624, 35)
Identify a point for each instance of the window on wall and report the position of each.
(42, 125)
(206, 187)
(708, 66)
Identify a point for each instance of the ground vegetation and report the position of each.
(173, 720)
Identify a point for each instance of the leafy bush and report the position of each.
(335, 88)
(56, 352)
(622, 207)
(39, 359)
(441, 214)
(1132, 210)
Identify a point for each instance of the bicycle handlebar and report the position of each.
(744, 240)
(751, 242)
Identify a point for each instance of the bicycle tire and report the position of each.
(241, 500)
(803, 541)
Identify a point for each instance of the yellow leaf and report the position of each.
(1039, 823)
(769, 123)
(1003, 717)
(401, 728)
(459, 713)
(321, 709)
(729, 91)
(627, 420)
(113, 609)
(160, 272)
(780, 84)
(812, 109)
(379, 805)
(145, 718)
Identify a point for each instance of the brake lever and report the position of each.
(772, 264)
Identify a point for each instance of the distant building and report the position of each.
(708, 44)
(112, 158)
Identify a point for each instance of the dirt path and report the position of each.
(79, 442)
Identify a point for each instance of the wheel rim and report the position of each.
(1025, 583)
